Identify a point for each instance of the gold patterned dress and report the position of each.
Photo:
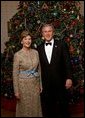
(27, 82)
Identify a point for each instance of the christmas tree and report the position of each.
(69, 26)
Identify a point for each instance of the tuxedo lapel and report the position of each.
(44, 54)
(54, 52)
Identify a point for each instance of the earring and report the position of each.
(43, 38)
(21, 42)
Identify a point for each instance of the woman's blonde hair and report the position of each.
(24, 34)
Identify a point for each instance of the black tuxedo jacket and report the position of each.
(55, 74)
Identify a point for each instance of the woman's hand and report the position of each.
(17, 95)
(41, 89)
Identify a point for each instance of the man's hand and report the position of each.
(68, 83)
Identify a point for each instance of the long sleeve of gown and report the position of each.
(39, 71)
(16, 73)
(40, 75)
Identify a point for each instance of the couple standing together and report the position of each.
(41, 77)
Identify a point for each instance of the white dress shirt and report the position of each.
(49, 49)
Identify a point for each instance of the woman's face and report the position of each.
(47, 33)
(26, 41)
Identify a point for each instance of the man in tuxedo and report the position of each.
(56, 74)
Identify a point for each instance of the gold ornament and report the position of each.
(43, 38)
(45, 6)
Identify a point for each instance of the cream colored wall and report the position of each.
(82, 8)
(8, 9)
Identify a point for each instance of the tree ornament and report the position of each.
(55, 6)
(42, 38)
(5, 94)
(71, 35)
(73, 16)
(71, 49)
(67, 39)
(74, 22)
(17, 22)
(81, 44)
(78, 17)
(45, 7)
(81, 31)
(66, 7)
(72, 11)
(38, 2)
(25, 6)
(21, 13)
(55, 13)
(78, 36)
(78, 51)
(78, 5)
(38, 21)
(56, 23)
(20, 25)
(35, 45)
(65, 16)
(13, 46)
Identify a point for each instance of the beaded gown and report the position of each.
(27, 85)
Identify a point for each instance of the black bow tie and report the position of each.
(48, 43)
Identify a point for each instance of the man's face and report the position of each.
(47, 33)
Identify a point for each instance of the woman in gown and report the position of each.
(27, 79)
